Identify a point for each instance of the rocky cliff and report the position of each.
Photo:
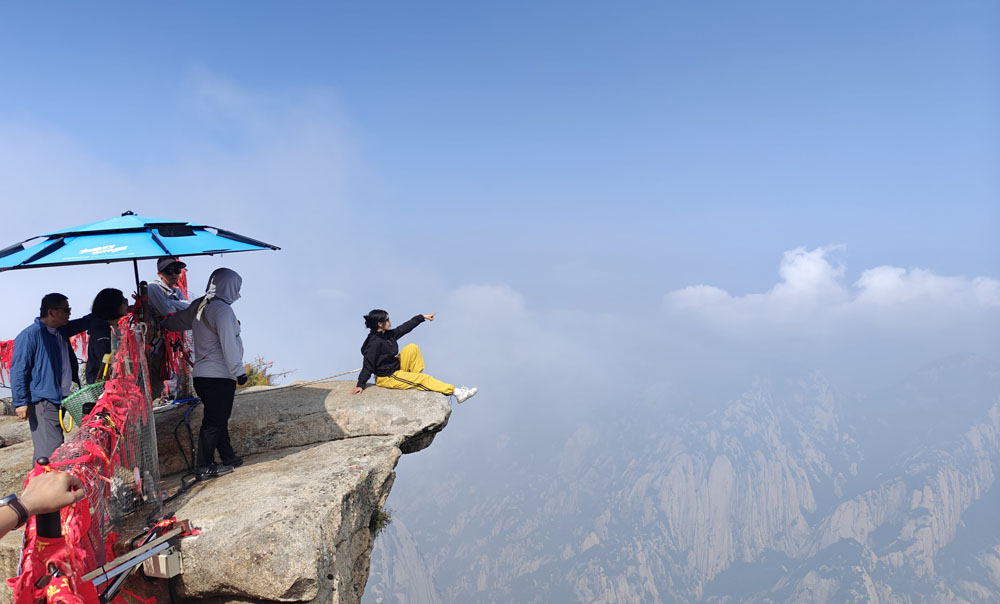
(296, 522)
(793, 491)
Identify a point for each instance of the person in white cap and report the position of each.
(165, 298)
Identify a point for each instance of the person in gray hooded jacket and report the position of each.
(218, 368)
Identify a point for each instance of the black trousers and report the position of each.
(216, 396)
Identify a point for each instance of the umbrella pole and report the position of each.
(135, 265)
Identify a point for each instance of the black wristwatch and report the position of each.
(13, 503)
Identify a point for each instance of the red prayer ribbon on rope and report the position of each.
(64, 553)
(103, 456)
(6, 358)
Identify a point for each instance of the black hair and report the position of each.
(107, 302)
(49, 302)
(373, 318)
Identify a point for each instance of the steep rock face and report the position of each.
(403, 577)
(294, 524)
(730, 487)
(791, 492)
(300, 531)
(898, 530)
(745, 473)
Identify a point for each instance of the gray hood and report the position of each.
(224, 284)
(218, 348)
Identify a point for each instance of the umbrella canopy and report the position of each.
(128, 237)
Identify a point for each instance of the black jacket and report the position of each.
(98, 345)
(380, 350)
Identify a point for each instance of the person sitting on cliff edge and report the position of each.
(395, 368)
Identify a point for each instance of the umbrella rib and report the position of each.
(243, 239)
(159, 243)
(101, 232)
(17, 247)
(55, 245)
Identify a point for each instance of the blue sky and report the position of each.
(578, 160)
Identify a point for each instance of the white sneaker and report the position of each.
(463, 394)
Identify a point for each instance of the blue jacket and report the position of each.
(36, 365)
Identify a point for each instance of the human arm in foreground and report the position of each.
(48, 492)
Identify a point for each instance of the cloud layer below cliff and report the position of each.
(888, 320)
(813, 289)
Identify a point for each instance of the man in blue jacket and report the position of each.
(43, 370)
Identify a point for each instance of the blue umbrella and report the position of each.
(128, 237)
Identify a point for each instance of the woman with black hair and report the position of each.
(395, 368)
(109, 306)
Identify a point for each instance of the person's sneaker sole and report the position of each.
(470, 392)
(213, 472)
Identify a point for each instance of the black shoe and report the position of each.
(235, 462)
(212, 471)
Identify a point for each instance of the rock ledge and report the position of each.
(294, 523)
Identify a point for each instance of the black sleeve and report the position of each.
(407, 327)
(78, 325)
(370, 358)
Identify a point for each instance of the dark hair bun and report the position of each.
(373, 318)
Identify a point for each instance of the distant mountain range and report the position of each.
(792, 492)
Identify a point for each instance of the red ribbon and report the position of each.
(101, 457)
(6, 359)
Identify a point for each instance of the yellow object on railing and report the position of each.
(65, 420)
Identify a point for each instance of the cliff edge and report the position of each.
(295, 523)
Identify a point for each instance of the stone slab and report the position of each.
(13, 430)
(268, 419)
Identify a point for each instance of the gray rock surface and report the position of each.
(294, 417)
(301, 528)
(10, 554)
(294, 523)
(13, 430)
(15, 461)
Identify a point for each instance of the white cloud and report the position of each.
(493, 321)
(698, 296)
(889, 319)
(491, 333)
(888, 322)
(810, 284)
(812, 290)
(808, 278)
(894, 286)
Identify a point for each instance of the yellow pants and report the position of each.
(411, 375)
